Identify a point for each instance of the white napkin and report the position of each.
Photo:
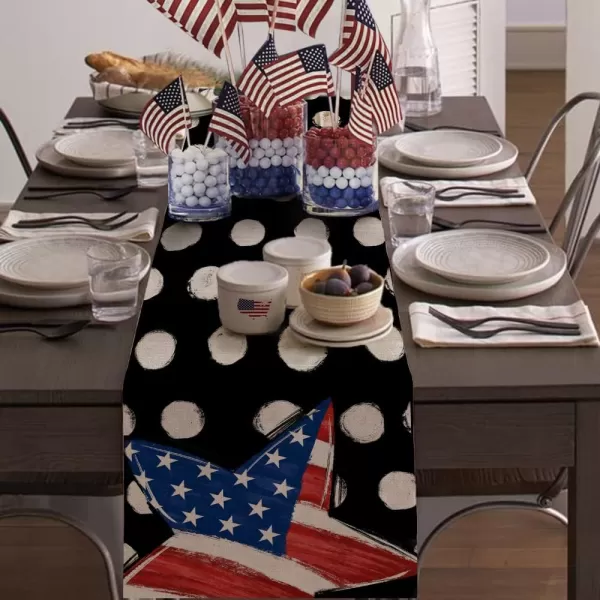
(517, 182)
(429, 332)
(142, 229)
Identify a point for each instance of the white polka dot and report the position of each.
(128, 553)
(182, 420)
(155, 350)
(248, 232)
(137, 500)
(389, 348)
(398, 490)
(155, 284)
(203, 284)
(340, 491)
(389, 282)
(312, 228)
(299, 356)
(362, 423)
(407, 418)
(369, 231)
(227, 347)
(128, 420)
(273, 414)
(181, 236)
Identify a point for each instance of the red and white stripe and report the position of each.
(256, 87)
(162, 130)
(321, 553)
(200, 19)
(285, 19)
(252, 11)
(232, 129)
(311, 13)
(360, 123)
(385, 106)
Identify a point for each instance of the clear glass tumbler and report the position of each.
(114, 271)
(151, 164)
(410, 209)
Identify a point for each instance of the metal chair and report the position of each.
(16, 143)
(49, 569)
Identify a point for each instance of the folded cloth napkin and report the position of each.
(142, 229)
(519, 183)
(429, 332)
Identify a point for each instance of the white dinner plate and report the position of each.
(448, 147)
(341, 344)
(98, 148)
(409, 271)
(390, 158)
(481, 256)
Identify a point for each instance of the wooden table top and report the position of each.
(447, 375)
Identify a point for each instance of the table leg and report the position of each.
(584, 506)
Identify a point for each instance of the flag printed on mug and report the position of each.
(253, 308)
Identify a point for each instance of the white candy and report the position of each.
(223, 189)
(281, 151)
(179, 170)
(298, 142)
(204, 202)
(323, 171)
(265, 143)
(317, 180)
(199, 190)
(191, 201)
(186, 191)
(288, 142)
(258, 153)
(212, 192)
(221, 178)
(265, 163)
(370, 171)
(365, 181)
(199, 176)
(240, 164)
(254, 162)
(292, 151)
(231, 151)
(233, 162)
(201, 163)
(179, 198)
(360, 172)
(310, 170)
(254, 144)
(216, 156)
(215, 170)
(187, 179)
(221, 143)
(329, 182)
(177, 155)
(189, 154)
(335, 172)
(276, 144)
(177, 184)
(348, 173)
(354, 183)
(210, 181)
(342, 183)
(276, 161)
(287, 161)
(269, 152)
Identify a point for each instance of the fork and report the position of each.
(99, 123)
(103, 195)
(490, 333)
(68, 217)
(51, 334)
(415, 127)
(112, 226)
(448, 194)
(505, 225)
(473, 323)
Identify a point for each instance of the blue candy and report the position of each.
(335, 193)
(340, 203)
(348, 194)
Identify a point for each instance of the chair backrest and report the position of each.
(16, 143)
(46, 555)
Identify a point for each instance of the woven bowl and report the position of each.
(340, 310)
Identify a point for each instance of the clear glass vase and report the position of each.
(415, 61)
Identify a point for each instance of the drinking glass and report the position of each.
(151, 163)
(410, 209)
(114, 271)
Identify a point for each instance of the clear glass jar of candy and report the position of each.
(277, 145)
(199, 184)
(340, 174)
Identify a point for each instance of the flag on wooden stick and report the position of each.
(252, 11)
(382, 95)
(284, 12)
(360, 124)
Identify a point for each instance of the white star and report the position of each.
(312, 413)
(228, 525)
(275, 458)
(282, 488)
(206, 471)
(191, 517)
(258, 508)
(165, 461)
(143, 480)
(268, 535)
(180, 490)
(299, 436)
(220, 499)
(129, 451)
(243, 479)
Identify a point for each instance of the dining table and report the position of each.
(61, 409)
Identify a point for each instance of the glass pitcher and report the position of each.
(415, 60)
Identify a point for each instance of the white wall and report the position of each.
(537, 12)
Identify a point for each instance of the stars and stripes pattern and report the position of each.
(166, 114)
(382, 95)
(360, 123)
(285, 19)
(311, 13)
(254, 83)
(200, 19)
(253, 308)
(252, 11)
(300, 74)
(227, 121)
(260, 530)
(360, 38)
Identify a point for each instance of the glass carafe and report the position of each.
(415, 60)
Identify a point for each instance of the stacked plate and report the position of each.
(447, 154)
(479, 264)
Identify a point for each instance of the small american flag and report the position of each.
(200, 19)
(361, 38)
(253, 309)
(286, 14)
(227, 121)
(382, 96)
(252, 11)
(360, 124)
(166, 115)
(311, 13)
(254, 82)
(299, 74)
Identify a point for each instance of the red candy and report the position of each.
(321, 154)
(350, 153)
(343, 163)
(329, 162)
(355, 163)
(335, 152)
